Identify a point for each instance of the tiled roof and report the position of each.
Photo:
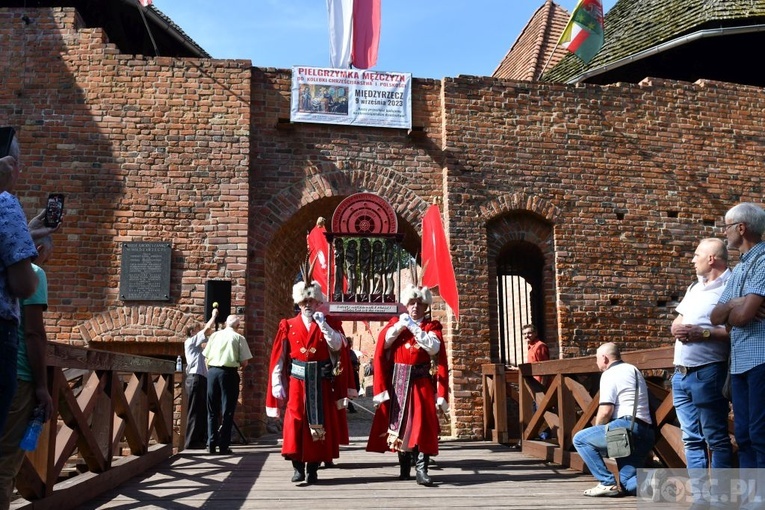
(131, 28)
(171, 26)
(531, 51)
(633, 26)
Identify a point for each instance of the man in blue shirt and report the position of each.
(739, 306)
(17, 278)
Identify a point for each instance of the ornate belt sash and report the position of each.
(311, 372)
(400, 406)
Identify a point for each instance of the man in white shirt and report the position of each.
(617, 401)
(701, 355)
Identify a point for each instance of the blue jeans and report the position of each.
(703, 414)
(590, 443)
(222, 394)
(9, 348)
(749, 416)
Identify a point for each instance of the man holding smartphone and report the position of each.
(32, 378)
(17, 278)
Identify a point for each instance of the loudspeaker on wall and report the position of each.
(218, 291)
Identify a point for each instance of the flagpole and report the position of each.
(548, 60)
(146, 24)
(552, 53)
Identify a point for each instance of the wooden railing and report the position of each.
(570, 403)
(112, 419)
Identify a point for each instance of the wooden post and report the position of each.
(566, 412)
(494, 403)
(525, 400)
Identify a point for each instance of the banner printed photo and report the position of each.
(351, 97)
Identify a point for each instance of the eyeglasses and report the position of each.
(726, 227)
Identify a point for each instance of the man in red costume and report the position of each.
(305, 354)
(410, 383)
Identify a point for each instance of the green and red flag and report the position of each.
(583, 36)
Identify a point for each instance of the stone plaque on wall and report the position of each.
(145, 272)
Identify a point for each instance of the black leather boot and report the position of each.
(405, 463)
(421, 468)
(299, 474)
(313, 472)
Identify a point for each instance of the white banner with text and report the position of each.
(351, 96)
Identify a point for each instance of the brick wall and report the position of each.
(145, 149)
(615, 185)
(301, 172)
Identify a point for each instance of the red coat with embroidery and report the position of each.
(423, 429)
(294, 342)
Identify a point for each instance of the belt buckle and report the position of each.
(298, 370)
(682, 369)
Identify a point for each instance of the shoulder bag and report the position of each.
(619, 440)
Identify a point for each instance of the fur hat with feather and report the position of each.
(415, 290)
(421, 294)
(302, 291)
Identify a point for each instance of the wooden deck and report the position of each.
(469, 475)
(479, 474)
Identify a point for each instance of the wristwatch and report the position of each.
(706, 333)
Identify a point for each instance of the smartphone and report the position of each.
(54, 210)
(6, 137)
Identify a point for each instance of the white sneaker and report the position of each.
(601, 490)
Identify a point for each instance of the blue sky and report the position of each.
(428, 38)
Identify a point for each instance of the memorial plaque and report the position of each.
(145, 272)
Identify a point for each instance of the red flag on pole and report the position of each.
(317, 254)
(366, 33)
(437, 261)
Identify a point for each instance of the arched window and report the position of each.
(520, 298)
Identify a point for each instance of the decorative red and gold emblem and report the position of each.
(363, 214)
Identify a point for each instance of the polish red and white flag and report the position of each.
(354, 33)
(366, 33)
